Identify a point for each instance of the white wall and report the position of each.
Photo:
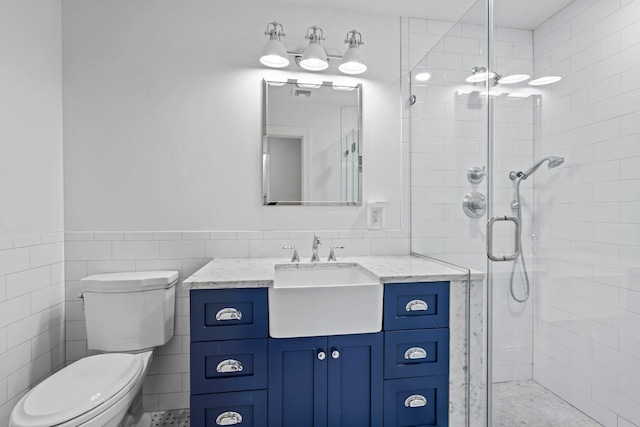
(31, 222)
(587, 320)
(163, 110)
(163, 139)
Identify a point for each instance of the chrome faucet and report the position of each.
(314, 246)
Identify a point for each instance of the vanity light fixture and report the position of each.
(513, 78)
(343, 87)
(309, 83)
(314, 57)
(547, 80)
(274, 53)
(479, 74)
(422, 77)
(353, 59)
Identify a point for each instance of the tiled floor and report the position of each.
(527, 403)
(516, 403)
(174, 418)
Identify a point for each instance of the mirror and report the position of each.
(312, 145)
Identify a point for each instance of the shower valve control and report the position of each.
(474, 204)
(476, 174)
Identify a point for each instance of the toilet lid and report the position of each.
(77, 389)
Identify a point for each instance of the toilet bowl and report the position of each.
(127, 316)
(94, 391)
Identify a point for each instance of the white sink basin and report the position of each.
(324, 299)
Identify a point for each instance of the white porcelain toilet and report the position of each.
(127, 316)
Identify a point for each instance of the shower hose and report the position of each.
(520, 255)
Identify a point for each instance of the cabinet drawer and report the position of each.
(247, 409)
(416, 305)
(221, 366)
(228, 314)
(416, 353)
(416, 402)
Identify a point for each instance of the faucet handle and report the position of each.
(332, 254)
(294, 257)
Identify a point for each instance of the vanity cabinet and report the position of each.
(395, 378)
(326, 381)
(416, 354)
(229, 329)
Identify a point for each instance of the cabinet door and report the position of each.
(355, 395)
(298, 382)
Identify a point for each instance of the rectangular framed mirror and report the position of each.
(312, 144)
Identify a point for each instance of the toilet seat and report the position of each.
(80, 391)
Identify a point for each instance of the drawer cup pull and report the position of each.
(415, 353)
(229, 419)
(228, 314)
(229, 365)
(417, 305)
(415, 401)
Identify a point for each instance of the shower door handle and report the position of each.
(516, 251)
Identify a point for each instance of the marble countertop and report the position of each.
(259, 272)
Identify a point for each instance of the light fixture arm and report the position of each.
(313, 37)
(355, 40)
(273, 32)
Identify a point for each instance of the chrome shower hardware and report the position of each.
(554, 162)
(476, 174)
(516, 205)
(474, 204)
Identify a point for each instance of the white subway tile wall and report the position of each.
(448, 136)
(587, 322)
(167, 384)
(32, 314)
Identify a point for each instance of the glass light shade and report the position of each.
(353, 62)
(479, 77)
(314, 58)
(545, 80)
(513, 78)
(422, 77)
(274, 54)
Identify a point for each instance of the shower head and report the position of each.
(554, 162)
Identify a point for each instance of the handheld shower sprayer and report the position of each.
(554, 162)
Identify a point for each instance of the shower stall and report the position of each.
(524, 150)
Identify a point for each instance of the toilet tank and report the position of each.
(129, 311)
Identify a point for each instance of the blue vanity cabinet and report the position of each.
(395, 378)
(416, 360)
(229, 357)
(331, 381)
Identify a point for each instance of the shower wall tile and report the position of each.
(587, 297)
(447, 138)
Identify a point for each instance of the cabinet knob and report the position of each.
(229, 365)
(229, 418)
(321, 355)
(417, 305)
(335, 353)
(415, 401)
(228, 313)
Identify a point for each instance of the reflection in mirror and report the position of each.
(311, 145)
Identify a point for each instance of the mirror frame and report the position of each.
(265, 157)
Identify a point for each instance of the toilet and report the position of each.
(127, 316)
